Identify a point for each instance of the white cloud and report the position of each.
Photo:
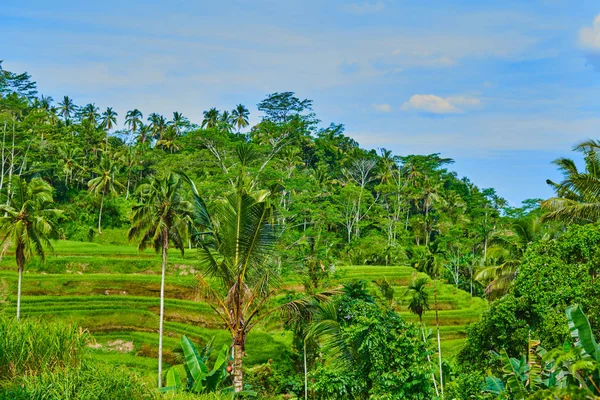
(365, 7)
(386, 108)
(589, 36)
(433, 104)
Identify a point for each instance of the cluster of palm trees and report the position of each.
(225, 120)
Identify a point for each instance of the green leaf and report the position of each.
(173, 379)
(581, 331)
(197, 368)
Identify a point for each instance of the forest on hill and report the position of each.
(293, 199)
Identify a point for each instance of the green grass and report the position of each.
(112, 290)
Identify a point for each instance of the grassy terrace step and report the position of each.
(113, 291)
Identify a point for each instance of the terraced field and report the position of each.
(112, 290)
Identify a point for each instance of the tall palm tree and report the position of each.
(236, 253)
(179, 122)
(211, 118)
(27, 223)
(67, 109)
(104, 183)
(90, 113)
(108, 121)
(578, 195)
(158, 125)
(240, 117)
(133, 119)
(161, 218)
(225, 122)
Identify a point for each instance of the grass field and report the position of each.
(112, 290)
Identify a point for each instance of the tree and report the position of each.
(161, 218)
(133, 119)
(211, 118)
(179, 122)
(104, 183)
(108, 121)
(419, 299)
(578, 195)
(235, 245)
(158, 125)
(240, 117)
(27, 223)
(281, 107)
(90, 113)
(67, 109)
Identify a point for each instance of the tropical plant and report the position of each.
(105, 183)
(211, 118)
(67, 108)
(133, 119)
(27, 223)
(578, 194)
(161, 219)
(418, 301)
(240, 116)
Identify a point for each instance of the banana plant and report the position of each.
(199, 378)
(573, 367)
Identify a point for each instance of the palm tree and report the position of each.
(158, 124)
(419, 298)
(90, 113)
(179, 122)
(240, 117)
(225, 122)
(211, 118)
(108, 121)
(104, 184)
(235, 244)
(67, 108)
(161, 218)
(578, 195)
(133, 119)
(27, 223)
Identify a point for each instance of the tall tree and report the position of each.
(27, 223)
(161, 218)
(133, 119)
(578, 195)
(108, 121)
(67, 109)
(179, 122)
(158, 125)
(90, 113)
(104, 184)
(240, 116)
(211, 118)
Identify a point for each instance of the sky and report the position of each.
(503, 88)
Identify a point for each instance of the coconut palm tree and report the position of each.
(90, 113)
(161, 219)
(67, 109)
(158, 124)
(27, 223)
(133, 119)
(578, 195)
(108, 121)
(239, 117)
(179, 122)
(225, 122)
(211, 118)
(235, 245)
(104, 184)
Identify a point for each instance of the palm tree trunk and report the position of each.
(437, 324)
(238, 379)
(100, 214)
(437, 393)
(165, 248)
(19, 289)
(305, 374)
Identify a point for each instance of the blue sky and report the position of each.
(502, 87)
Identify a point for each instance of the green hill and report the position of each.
(112, 290)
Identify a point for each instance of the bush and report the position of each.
(30, 347)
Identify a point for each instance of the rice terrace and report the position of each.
(361, 200)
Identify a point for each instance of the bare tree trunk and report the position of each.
(238, 379)
(305, 374)
(437, 393)
(165, 249)
(3, 160)
(437, 324)
(100, 214)
(19, 291)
